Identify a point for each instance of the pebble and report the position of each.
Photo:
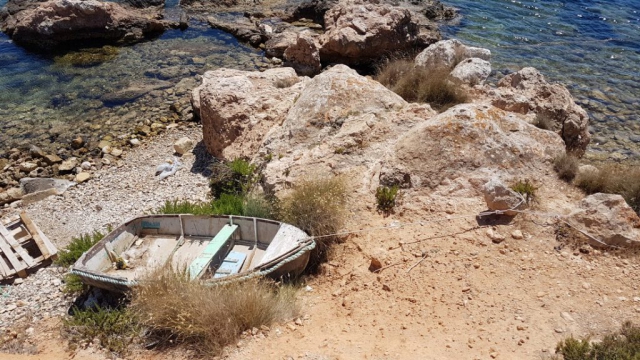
(517, 234)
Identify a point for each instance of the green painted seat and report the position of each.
(198, 265)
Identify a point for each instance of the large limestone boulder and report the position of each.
(360, 34)
(237, 108)
(607, 220)
(447, 53)
(47, 25)
(471, 143)
(527, 91)
(472, 71)
(303, 56)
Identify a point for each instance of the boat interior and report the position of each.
(203, 247)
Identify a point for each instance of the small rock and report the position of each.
(68, 165)
(77, 143)
(52, 159)
(82, 177)
(116, 152)
(558, 330)
(28, 166)
(586, 285)
(298, 322)
(18, 281)
(375, 264)
(86, 165)
(183, 145)
(517, 234)
(496, 237)
(134, 142)
(386, 287)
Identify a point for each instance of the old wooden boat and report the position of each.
(212, 249)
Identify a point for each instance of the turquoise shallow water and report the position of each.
(593, 46)
(47, 100)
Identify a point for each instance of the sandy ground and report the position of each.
(448, 292)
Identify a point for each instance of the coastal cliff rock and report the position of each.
(47, 25)
(303, 56)
(359, 34)
(469, 144)
(341, 122)
(527, 91)
(238, 107)
(609, 219)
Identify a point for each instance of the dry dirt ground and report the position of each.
(446, 291)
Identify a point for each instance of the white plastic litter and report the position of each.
(168, 168)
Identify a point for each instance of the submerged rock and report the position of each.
(48, 25)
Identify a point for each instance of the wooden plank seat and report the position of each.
(203, 261)
(231, 264)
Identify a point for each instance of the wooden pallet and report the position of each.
(23, 247)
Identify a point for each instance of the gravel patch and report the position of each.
(129, 188)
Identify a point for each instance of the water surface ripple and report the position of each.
(592, 46)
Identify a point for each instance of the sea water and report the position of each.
(592, 46)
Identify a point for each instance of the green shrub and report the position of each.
(234, 177)
(260, 207)
(386, 198)
(317, 206)
(115, 328)
(78, 245)
(420, 84)
(228, 204)
(614, 179)
(621, 345)
(73, 284)
(526, 189)
(185, 207)
(566, 165)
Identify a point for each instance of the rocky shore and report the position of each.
(463, 283)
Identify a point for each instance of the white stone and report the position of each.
(183, 145)
(472, 71)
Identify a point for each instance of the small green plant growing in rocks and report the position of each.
(78, 245)
(620, 345)
(185, 207)
(73, 284)
(386, 198)
(566, 165)
(234, 177)
(116, 328)
(526, 189)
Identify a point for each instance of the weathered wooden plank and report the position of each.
(16, 246)
(17, 265)
(33, 229)
(5, 272)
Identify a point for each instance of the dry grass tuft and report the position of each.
(614, 179)
(419, 84)
(178, 311)
(566, 165)
(318, 207)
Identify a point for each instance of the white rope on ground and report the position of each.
(557, 217)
